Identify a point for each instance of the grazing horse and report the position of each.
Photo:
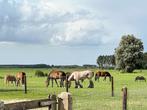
(81, 75)
(102, 74)
(140, 78)
(54, 75)
(20, 76)
(10, 78)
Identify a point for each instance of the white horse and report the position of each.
(81, 75)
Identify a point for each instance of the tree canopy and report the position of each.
(129, 53)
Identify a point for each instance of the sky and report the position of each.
(67, 32)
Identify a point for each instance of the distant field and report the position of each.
(98, 98)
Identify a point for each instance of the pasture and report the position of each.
(97, 98)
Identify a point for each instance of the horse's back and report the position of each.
(103, 73)
(56, 74)
(20, 74)
(140, 78)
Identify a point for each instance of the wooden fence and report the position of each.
(61, 102)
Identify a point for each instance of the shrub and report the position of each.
(39, 73)
(45, 74)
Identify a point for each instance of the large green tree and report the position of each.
(129, 53)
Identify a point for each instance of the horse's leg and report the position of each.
(69, 84)
(91, 84)
(17, 82)
(56, 82)
(98, 78)
(80, 84)
(48, 81)
(104, 78)
(52, 82)
(76, 84)
(61, 83)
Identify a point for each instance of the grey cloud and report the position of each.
(41, 24)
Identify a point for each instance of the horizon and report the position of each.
(67, 32)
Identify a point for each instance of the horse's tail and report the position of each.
(47, 81)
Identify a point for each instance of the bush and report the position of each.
(45, 74)
(39, 73)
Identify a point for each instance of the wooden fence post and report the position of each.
(64, 101)
(67, 84)
(1, 105)
(124, 90)
(112, 86)
(49, 97)
(52, 106)
(25, 84)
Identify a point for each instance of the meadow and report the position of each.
(97, 98)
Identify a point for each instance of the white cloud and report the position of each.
(49, 22)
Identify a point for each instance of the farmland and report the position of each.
(98, 98)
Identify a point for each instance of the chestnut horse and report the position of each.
(20, 78)
(10, 78)
(102, 74)
(54, 75)
(81, 75)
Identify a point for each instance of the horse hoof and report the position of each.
(76, 86)
(90, 86)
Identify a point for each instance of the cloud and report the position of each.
(48, 22)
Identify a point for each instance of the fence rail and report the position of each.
(64, 102)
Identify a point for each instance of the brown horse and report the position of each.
(10, 78)
(54, 75)
(20, 78)
(141, 78)
(102, 74)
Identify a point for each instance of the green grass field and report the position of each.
(98, 98)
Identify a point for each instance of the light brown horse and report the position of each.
(102, 74)
(81, 75)
(20, 78)
(10, 78)
(54, 75)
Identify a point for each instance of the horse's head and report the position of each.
(97, 75)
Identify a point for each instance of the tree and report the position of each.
(144, 63)
(129, 53)
(106, 61)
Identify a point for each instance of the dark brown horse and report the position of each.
(20, 78)
(102, 74)
(10, 78)
(54, 75)
(141, 78)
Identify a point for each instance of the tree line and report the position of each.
(108, 62)
(49, 66)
